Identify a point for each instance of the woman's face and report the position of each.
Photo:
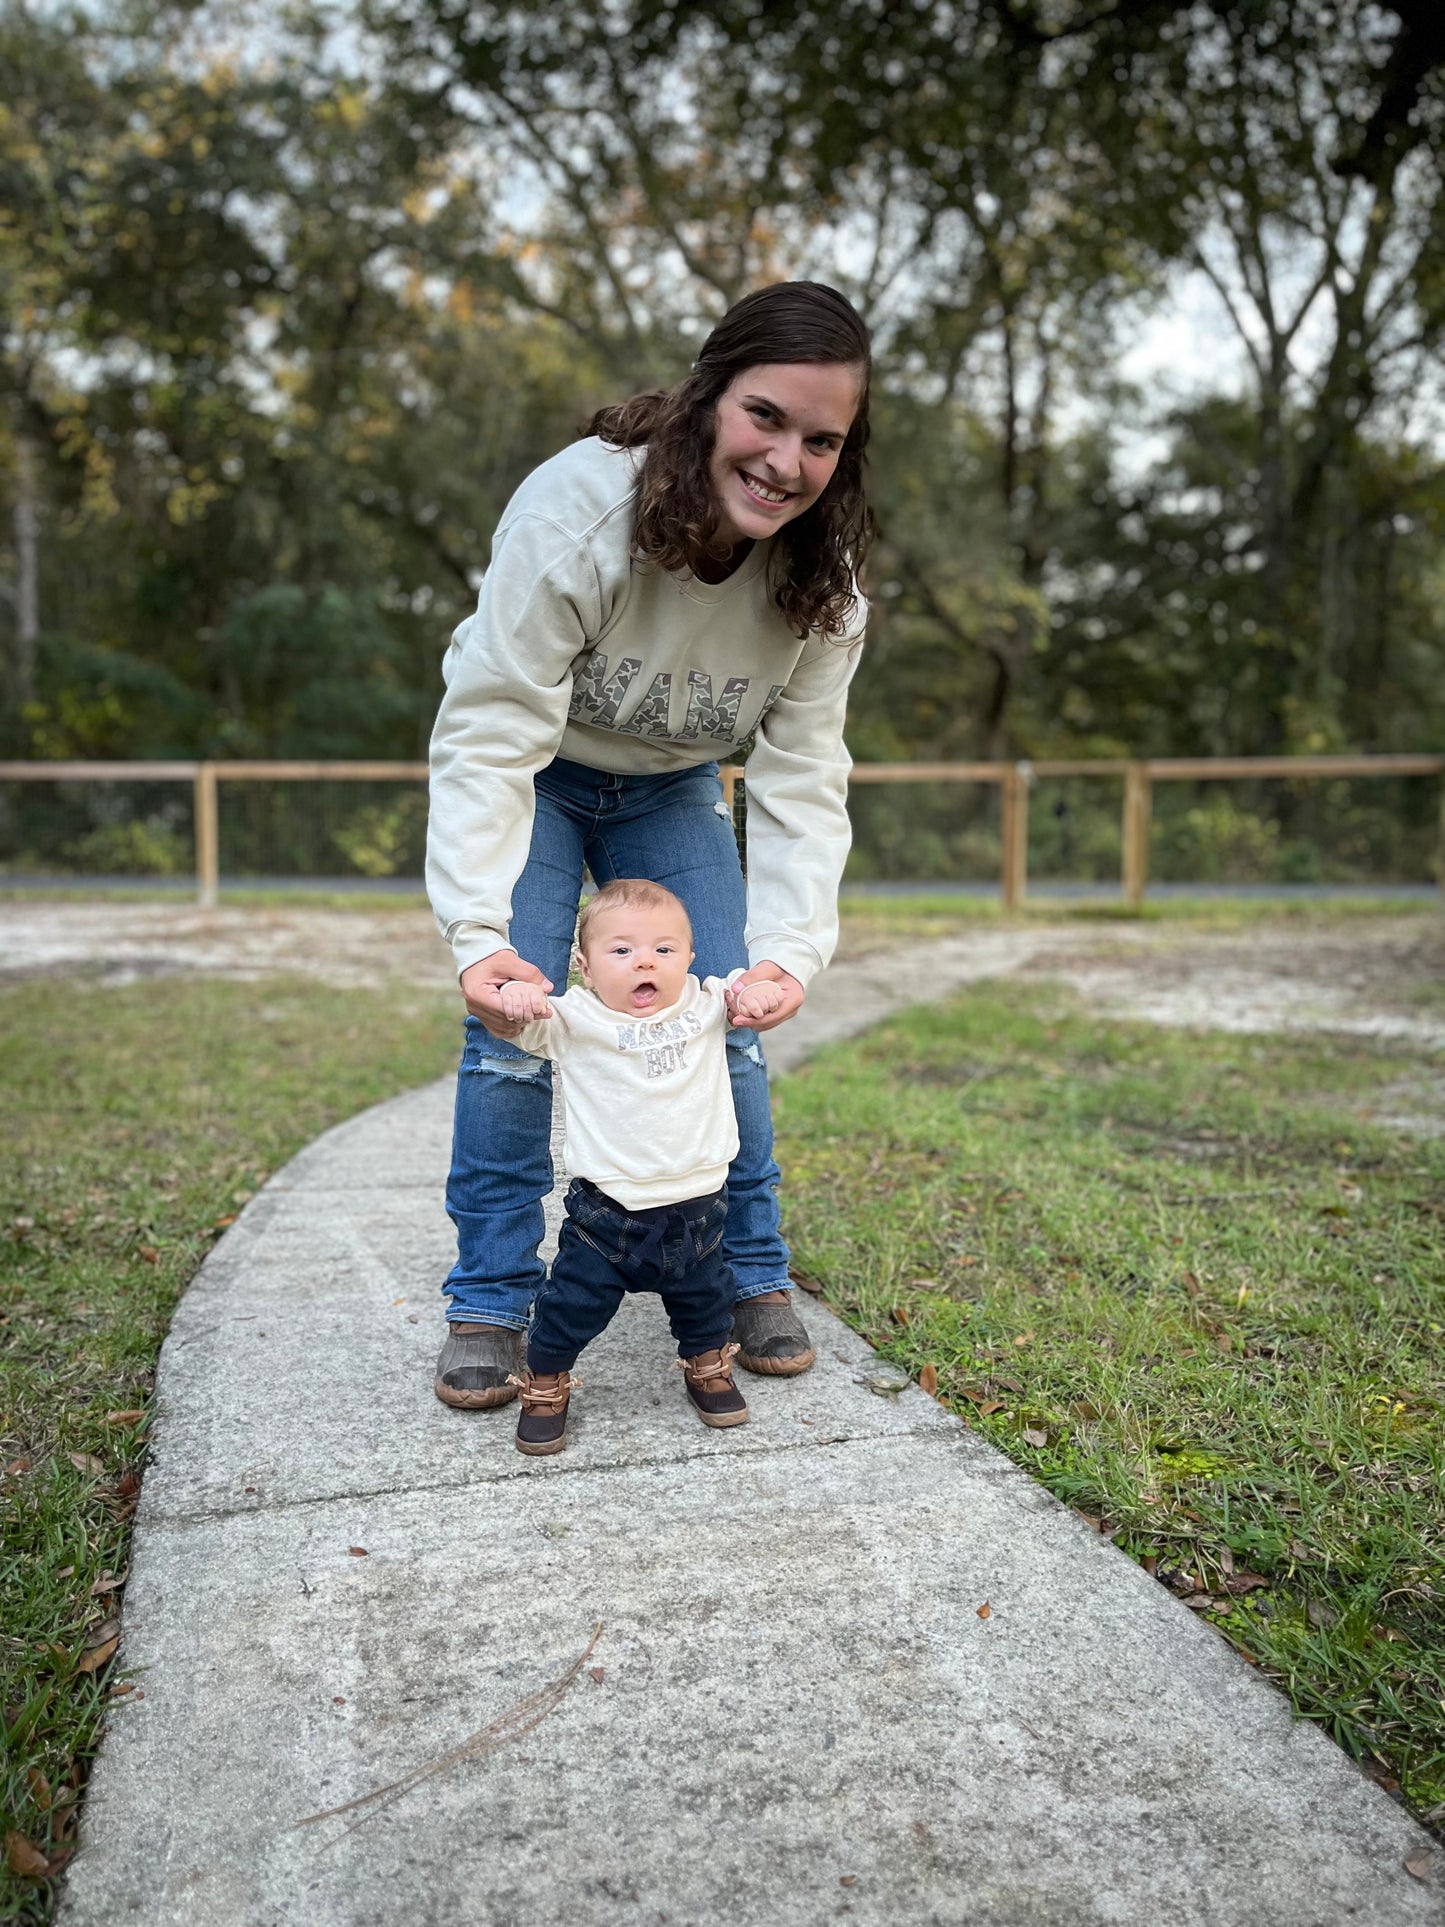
(780, 430)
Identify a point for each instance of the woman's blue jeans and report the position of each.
(677, 831)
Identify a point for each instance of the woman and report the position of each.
(680, 581)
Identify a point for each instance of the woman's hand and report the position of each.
(767, 973)
(481, 986)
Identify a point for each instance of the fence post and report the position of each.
(1138, 814)
(1015, 833)
(728, 777)
(208, 839)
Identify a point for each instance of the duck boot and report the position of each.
(478, 1366)
(709, 1381)
(542, 1421)
(770, 1337)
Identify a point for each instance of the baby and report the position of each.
(650, 1136)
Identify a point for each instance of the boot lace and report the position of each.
(699, 1372)
(542, 1398)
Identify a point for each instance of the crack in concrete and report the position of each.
(1003, 1467)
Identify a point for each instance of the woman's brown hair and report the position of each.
(816, 557)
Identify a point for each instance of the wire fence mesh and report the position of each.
(366, 830)
(138, 827)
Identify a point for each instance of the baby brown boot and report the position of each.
(542, 1422)
(709, 1381)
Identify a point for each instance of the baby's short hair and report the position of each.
(627, 893)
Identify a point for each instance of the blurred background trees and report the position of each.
(291, 301)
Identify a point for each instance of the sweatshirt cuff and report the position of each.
(800, 960)
(472, 941)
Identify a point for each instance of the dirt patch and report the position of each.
(1368, 978)
(112, 943)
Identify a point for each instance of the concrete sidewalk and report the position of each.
(793, 1712)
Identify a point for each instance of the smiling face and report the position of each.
(780, 431)
(637, 956)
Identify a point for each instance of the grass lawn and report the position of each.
(1176, 1279)
(138, 1121)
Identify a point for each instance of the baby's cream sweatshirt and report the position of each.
(575, 650)
(646, 1100)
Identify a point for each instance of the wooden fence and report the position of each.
(1014, 780)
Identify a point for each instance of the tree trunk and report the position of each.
(27, 571)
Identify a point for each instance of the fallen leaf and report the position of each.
(1298, 1550)
(1082, 1408)
(358, 1552)
(95, 1657)
(1418, 1863)
(989, 1406)
(123, 1418)
(128, 1484)
(813, 1286)
(221, 1223)
(86, 1462)
(1012, 1383)
(148, 1255)
(23, 1857)
(1033, 1436)
(599, 1673)
(1319, 1615)
(925, 1284)
(337, 1700)
(98, 1635)
(1247, 1581)
(848, 1880)
(66, 1572)
(39, 1788)
(119, 1692)
(985, 1611)
(16, 1467)
(928, 1379)
(1024, 1338)
(899, 1314)
(967, 1260)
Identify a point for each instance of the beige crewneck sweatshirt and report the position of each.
(646, 1101)
(577, 651)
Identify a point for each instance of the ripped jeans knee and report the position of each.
(518, 1067)
(744, 1051)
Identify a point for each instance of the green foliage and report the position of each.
(280, 337)
(146, 848)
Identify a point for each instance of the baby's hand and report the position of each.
(755, 1000)
(523, 1003)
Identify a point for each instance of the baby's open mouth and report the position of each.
(644, 994)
